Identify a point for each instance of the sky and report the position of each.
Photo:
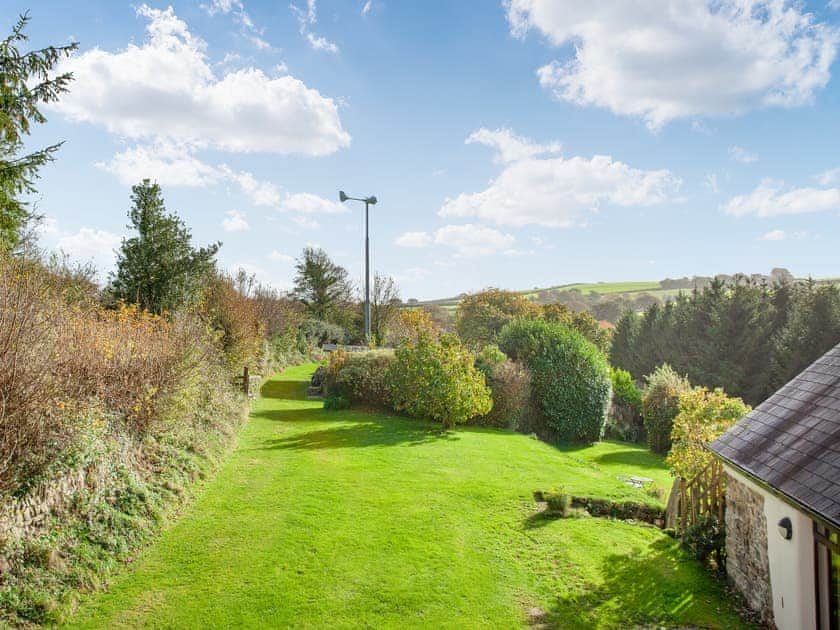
(516, 144)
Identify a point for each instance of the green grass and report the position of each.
(351, 519)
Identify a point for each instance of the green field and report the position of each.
(602, 288)
(362, 520)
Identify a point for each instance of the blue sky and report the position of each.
(516, 144)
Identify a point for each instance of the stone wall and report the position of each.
(746, 546)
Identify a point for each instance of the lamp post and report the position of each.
(368, 201)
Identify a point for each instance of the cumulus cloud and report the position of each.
(740, 154)
(560, 192)
(235, 221)
(473, 240)
(164, 162)
(260, 192)
(413, 239)
(769, 199)
(170, 164)
(510, 147)
(663, 60)
(86, 244)
(166, 89)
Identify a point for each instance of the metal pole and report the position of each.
(367, 276)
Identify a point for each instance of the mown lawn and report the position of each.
(348, 519)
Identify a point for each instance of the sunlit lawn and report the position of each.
(348, 519)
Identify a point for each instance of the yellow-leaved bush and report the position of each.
(703, 415)
(437, 379)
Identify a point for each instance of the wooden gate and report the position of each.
(693, 498)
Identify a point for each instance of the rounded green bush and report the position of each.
(661, 405)
(437, 379)
(570, 377)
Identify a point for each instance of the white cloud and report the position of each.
(164, 162)
(221, 6)
(165, 88)
(90, 245)
(413, 239)
(280, 257)
(319, 42)
(662, 60)
(740, 154)
(473, 240)
(169, 164)
(711, 182)
(829, 177)
(306, 19)
(260, 192)
(559, 192)
(307, 203)
(235, 222)
(773, 235)
(368, 6)
(510, 147)
(770, 200)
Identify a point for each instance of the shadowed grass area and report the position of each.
(351, 519)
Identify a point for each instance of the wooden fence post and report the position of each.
(246, 381)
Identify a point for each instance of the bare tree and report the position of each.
(384, 305)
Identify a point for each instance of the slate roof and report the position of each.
(791, 441)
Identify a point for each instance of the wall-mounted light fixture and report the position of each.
(785, 528)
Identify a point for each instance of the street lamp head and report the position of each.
(342, 197)
(371, 200)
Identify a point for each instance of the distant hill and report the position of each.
(607, 300)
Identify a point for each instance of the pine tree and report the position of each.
(25, 84)
(159, 269)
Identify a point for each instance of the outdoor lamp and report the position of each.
(785, 528)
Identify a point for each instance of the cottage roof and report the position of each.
(791, 442)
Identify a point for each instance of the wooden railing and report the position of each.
(696, 497)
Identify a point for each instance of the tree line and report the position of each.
(747, 336)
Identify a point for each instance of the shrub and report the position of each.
(570, 377)
(703, 416)
(410, 323)
(510, 387)
(661, 405)
(489, 357)
(234, 317)
(625, 416)
(315, 332)
(360, 376)
(707, 540)
(481, 316)
(437, 379)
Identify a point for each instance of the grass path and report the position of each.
(347, 519)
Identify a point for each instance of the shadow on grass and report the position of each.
(630, 457)
(284, 390)
(539, 519)
(366, 432)
(657, 585)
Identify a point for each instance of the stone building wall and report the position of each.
(747, 563)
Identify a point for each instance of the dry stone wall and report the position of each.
(746, 546)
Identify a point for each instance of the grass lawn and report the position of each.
(351, 519)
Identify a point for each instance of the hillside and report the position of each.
(606, 300)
